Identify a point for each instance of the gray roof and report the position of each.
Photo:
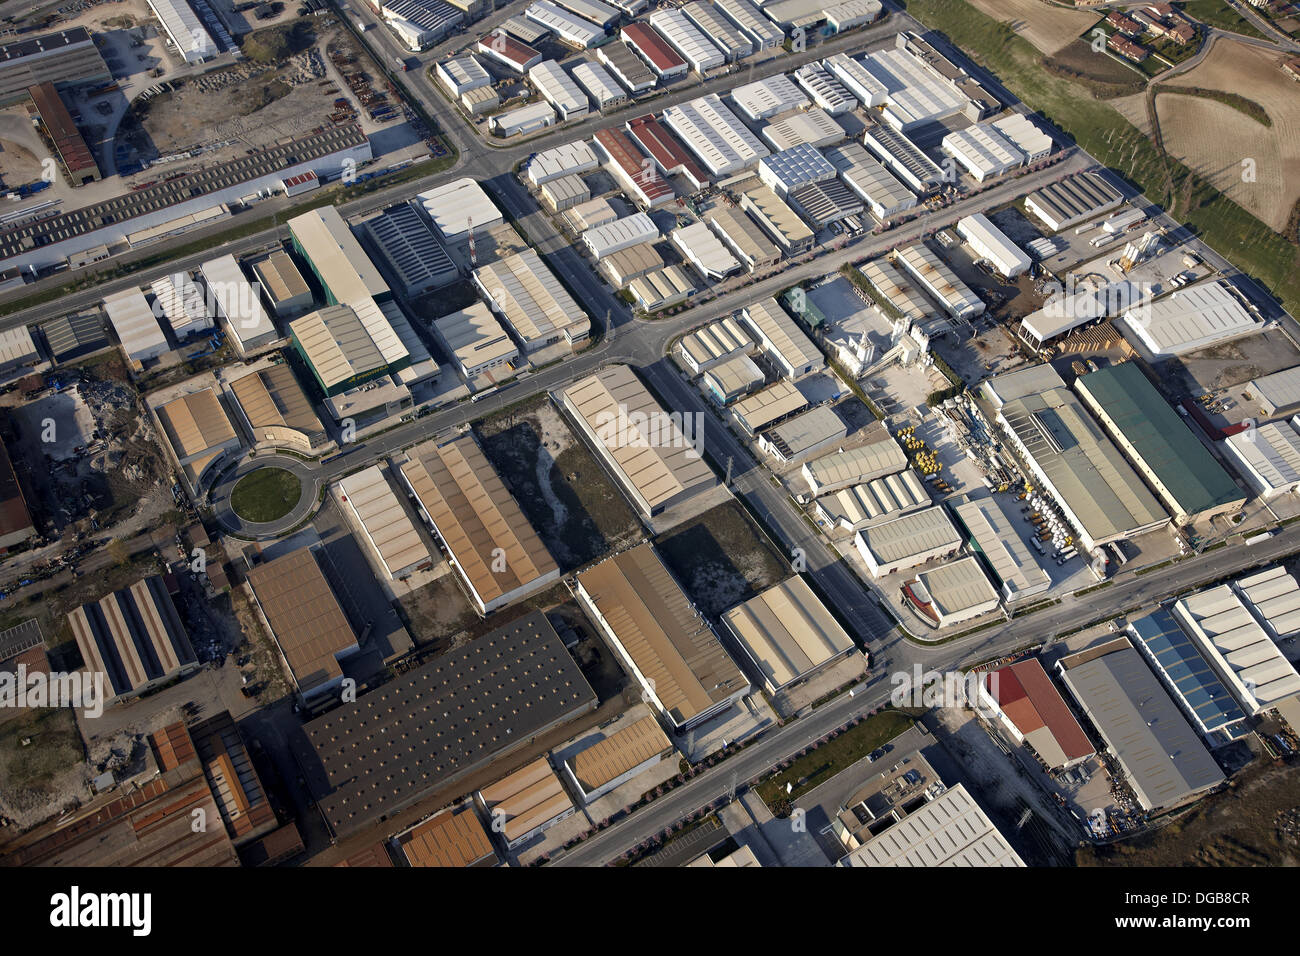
(408, 247)
(1164, 759)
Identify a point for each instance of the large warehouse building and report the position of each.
(908, 541)
(787, 634)
(661, 638)
(327, 245)
(1191, 318)
(497, 554)
(434, 725)
(375, 512)
(406, 247)
(1188, 479)
(532, 302)
(1032, 711)
(66, 59)
(643, 446)
(1268, 457)
(722, 143)
(1073, 200)
(344, 347)
(992, 535)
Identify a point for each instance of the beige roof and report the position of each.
(774, 324)
(890, 282)
(655, 290)
(912, 534)
(527, 799)
(779, 214)
(618, 753)
(532, 299)
(337, 256)
(280, 277)
(338, 344)
(743, 233)
(663, 634)
(759, 410)
(384, 520)
(958, 585)
(452, 838)
(475, 515)
(715, 340)
(787, 631)
(632, 261)
(196, 423)
(653, 454)
(475, 337)
(864, 463)
(877, 498)
(305, 617)
(272, 398)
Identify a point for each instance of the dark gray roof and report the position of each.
(19, 638)
(443, 720)
(70, 333)
(408, 247)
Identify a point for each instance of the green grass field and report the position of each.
(265, 494)
(1098, 128)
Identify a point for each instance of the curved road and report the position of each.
(306, 472)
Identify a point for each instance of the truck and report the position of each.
(400, 63)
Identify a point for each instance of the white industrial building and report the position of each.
(599, 84)
(990, 243)
(705, 251)
(722, 143)
(185, 30)
(573, 30)
(182, 304)
(421, 23)
(1014, 566)
(782, 339)
(855, 466)
(1024, 134)
(475, 340)
(1191, 318)
(937, 278)
(620, 234)
(1273, 596)
(627, 66)
(917, 93)
(765, 34)
(236, 303)
(865, 176)
(902, 157)
(133, 320)
(857, 79)
(792, 168)
(814, 127)
(524, 120)
(601, 14)
(454, 206)
(825, 89)
(765, 98)
(687, 39)
(908, 541)
(571, 159)
(463, 73)
(1278, 393)
(1073, 200)
(532, 301)
(373, 508)
(855, 507)
(1268, 457)
(958, 591)
(713, 344)
(559, 89)
(721, 31)
(982, 151)
(564, 193)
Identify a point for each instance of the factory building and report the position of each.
(614, 760)
(631, 263)
(630, 167)
(508, 51)
(803, 435)
(1188, 479)
(571, 159)
(1073, 200)
(992, 536)
(199, 435)
(662, 290)
(1191, 318)
(235, 302)
(733, 379)
(892, 286)
(475, 340)
(825, 203)
(527, 802)
(456, 206)
(884, 195)
(644, 447)
(574, 30)
(346, 347)
(283, 285)
(661, 638)
(782, 339)
(373, 509)
(717, 342)
(868, 88)
(722, 143)
(789, 169)
(1268, 457)
(460, 74)
(559, 89)
(982, 151)
(705, 251)
(599, 85)
(856, 507)
(524, 120)
(189, 37)
(1023, 133)
(182, 304)
(407, 249)
(620, 234)
(714, 25)
(814, 127)
(601, 14)
(67, 59)
(1031, 711)
(766, 98)
(767, 407)
(744, 238)
(654, 50)
(937, 278)
(777, 219)
(564, 193)
(990, 243)
(746, 15)
(627, 66)
(827, 92)
(908, 541)
(953, 593)
(531, 300)
(666, 150)
(492, 547)
(136, 328)
(902, 157)
(855, 466)
(275, 411)
(687, 39)
(1277, 394)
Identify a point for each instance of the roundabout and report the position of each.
(266, 496)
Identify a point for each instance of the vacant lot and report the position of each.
(36, 773)
(1256, 823)
(1242, 69)
(438, 611)
(1104, 75)
(563, 491)
(1047, 27)
(721, 558)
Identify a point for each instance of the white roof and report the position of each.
(1191, 318)
(779, 333)
(17, 346)
(718, 29)
(992, 243)
(825, 89)
(463, 73)
(621, 233)
(1281, 390)
(133, 321)
(1063, 312)
(958, 586)
(935, 275)
(237, 300)
(950, 830)
(982, 149)
(856, 465)
(995, 534)
(746, 15)
(685, 37)
(452, 206)
(705, 250)
(1024, 134)
(1274, 595)
(531, 298)
(599, 13)
(870, 89)
(915, 533)
(876, 499)
(764, 98)
(715, 135)
(187, 31)
(715, 340)
(796, 166)
(1258, 671)
(383, 520)
(336, 255)
(917, 94)
(475, 337)
(575, 157)
(869, 179)
(813, 126)
(598, 81)
(527, 116)
(557, 87)
(182, 303)
(1270, 454)
(573, 28)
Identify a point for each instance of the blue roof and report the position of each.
(1190, 673)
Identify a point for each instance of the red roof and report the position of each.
(508, 48)
(651, 136)
(620, 149)
(63, 131)
(1030, 700)
(653, 47)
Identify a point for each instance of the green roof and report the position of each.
(1164, 442)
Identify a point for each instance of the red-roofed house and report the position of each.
(667, 152)
(1032, 712)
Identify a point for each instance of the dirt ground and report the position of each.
(721, 558)
(1237, 67)
(1254, 823)
(560, 486)
(38, 777)
(1046, 26)
(437, 611)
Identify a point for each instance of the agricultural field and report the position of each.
(1238, 68)
(1049, 28)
